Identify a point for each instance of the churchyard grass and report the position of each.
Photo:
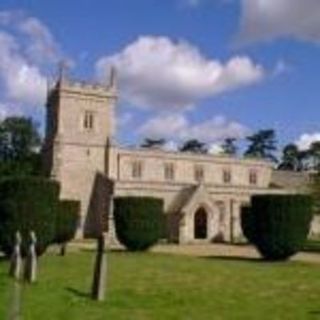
(5, 288)
(148, 286)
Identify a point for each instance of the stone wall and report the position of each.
(78, 150)
(92, 170)
(154, 161)
(298, 181)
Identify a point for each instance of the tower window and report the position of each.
(198, 173)
(137, 169)
(227, 176)
(88, 120)
(169, 171)
(253, 177)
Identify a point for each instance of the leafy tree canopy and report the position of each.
(194, 146)
(19, 146)
(314, 154)
(262, 145)
(291, 158)
(153, 143)
(229, 147)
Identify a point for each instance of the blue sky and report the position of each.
(208, 69)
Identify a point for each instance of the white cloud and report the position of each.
(305, 140)
(23, 81)
(157, 72)
(3, 111)
(164, 126)
(27, 48)
(215, 148)
(40, 44)
(178, 127)
(268, 19)
(8, 109)
(171, 145)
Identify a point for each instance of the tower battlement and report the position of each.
(66, 83)
(80, 124)
(84, 88)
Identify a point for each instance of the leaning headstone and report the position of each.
(16, 260)
(100, 270)
(31, 260)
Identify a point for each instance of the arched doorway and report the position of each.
(201, 224)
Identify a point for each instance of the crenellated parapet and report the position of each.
(65, 83)
(88, 88)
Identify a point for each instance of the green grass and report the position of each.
(4, 288)
(165, 287)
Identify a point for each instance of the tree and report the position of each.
(153, 143)
(303, 159)
(28, 204)
(19, 147)
(67, 220)
(194, 146)
(229, 146)
(277, 225)
(314, 153)
(315, 191)
(290, 158)
(262, 145)
(138, 221)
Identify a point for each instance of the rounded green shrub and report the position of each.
(138, 221)
(67, 220)
(27, 204)
(247, 225)
(277, 225)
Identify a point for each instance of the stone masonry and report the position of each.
(202, 194)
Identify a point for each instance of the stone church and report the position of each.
(202, 193)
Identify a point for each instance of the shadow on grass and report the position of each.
(87, 250)
(236, 259)
(3, 258)
(78, 293)
(247, 259)
(95, 250)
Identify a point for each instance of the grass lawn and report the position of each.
(4, 289)
(158, 286)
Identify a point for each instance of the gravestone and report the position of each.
(31, 260)
(100, 270)
(16, 260)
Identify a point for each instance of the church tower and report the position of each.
(79, 128)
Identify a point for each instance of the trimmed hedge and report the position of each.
(247, 224)
(277, 225)
(138, 221)
(67, 219)
(27, 203)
